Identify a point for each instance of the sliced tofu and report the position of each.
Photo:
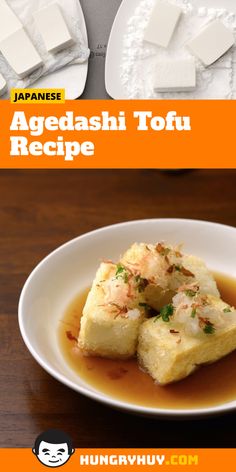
(112, 314)
(53, 28)
(9, 22)
(171, 350)
(162, 24)
(20, 53)
(212, 42)
(177, 75)
(165, 268)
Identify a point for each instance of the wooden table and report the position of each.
(39, 210)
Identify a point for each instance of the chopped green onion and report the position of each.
(121, 272)
(209, 329)
(227, 310)
(166, 312)
(190, 293)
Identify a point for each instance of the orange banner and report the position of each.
(118, 134)
(201, 460)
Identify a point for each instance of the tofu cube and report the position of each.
(175, 75)
(165, 268)
(53, 28)
(162, 23)
(112, 315)
(170, 351)
(212, 42)
(20, 53)
(9, 22)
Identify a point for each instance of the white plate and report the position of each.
(72, 77)
(114, 86)
(71, 268)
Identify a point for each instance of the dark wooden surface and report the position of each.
(39, 210)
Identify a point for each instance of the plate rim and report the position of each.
(100, 396)
(115, 51)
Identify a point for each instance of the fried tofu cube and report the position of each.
(112, 314)
(198, 329)
(165, 268)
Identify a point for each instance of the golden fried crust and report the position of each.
(168, 354)
(108, 329)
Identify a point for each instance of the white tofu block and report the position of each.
(212, 42)
(3, 85)
(177, 75)
(20, 53)
(9, 23)
(53, 28)
(162, 24)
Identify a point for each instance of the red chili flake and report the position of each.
(173, 331)
(70, 336)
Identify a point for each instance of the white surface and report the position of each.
(3, 85)
(53, 28)
(69, 76)
(140, 58)
(212, 42)
(9, 23)
(71, 268)
(162, 24)
(73, 77)
(114, 85)
(176, 75)
(20, 53)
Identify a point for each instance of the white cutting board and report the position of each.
(114, 86)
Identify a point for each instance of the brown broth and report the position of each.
(210, 385)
